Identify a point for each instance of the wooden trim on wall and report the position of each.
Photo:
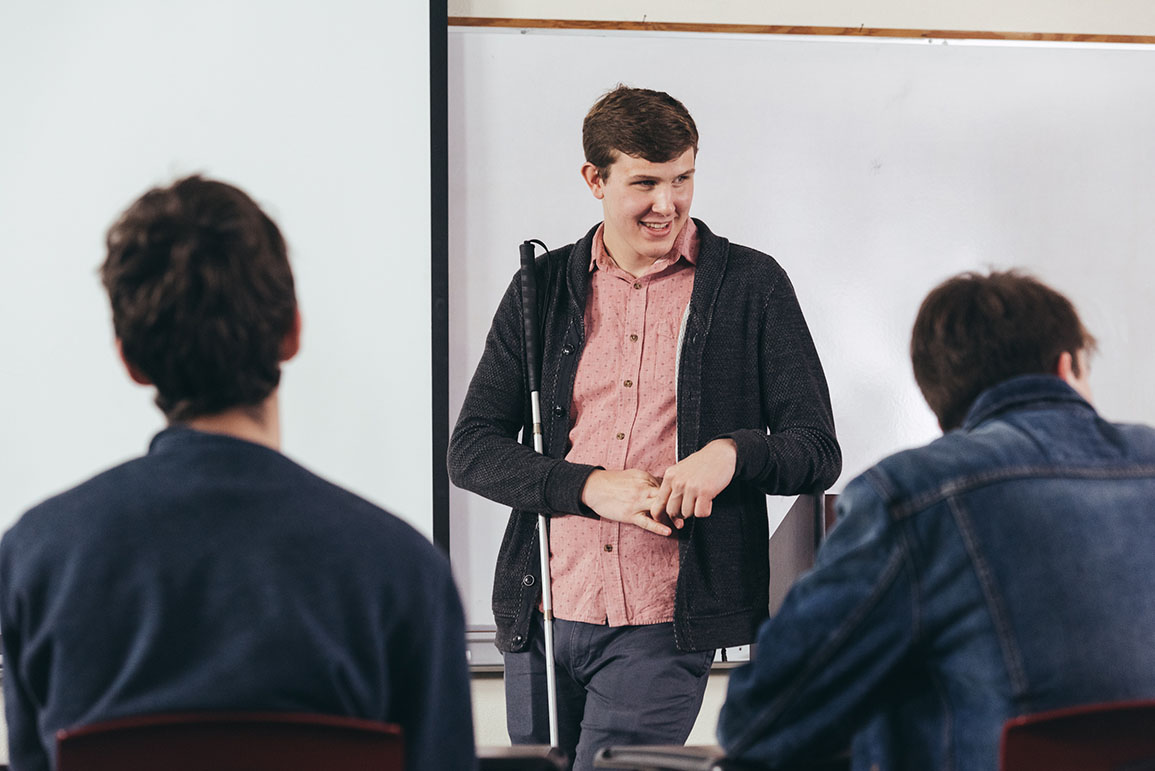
(777, 29)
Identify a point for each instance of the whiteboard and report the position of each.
(871, 169)
(321, 113)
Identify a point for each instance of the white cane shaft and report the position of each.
(535, 411)
(546, 586)
(547, 625)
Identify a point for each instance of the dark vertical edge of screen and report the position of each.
(439, 254)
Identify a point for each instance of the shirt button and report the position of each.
(633, 338)
(628, 383)
(620, 435)
(566, 349)
(558, 411)
(637, 285)
(528, 580)
(609, 547)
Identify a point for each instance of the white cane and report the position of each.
(533, 368)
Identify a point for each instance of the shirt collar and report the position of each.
(685, 246)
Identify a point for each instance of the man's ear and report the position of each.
(1066, 367)
(593, 179)
(291, 342)
(133, 370)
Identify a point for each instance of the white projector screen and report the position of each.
(321, 111)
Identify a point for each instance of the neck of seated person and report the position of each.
(258, 423)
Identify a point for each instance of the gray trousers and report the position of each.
(615, 686)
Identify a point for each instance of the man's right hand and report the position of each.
(624, 496)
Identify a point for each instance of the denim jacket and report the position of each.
(1005, 568)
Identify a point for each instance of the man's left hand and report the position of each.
(689, 486)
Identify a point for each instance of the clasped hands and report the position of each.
(687, 489)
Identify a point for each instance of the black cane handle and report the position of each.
(529, 316)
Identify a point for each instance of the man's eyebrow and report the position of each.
(640, 177)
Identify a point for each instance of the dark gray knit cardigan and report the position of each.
(748, 371)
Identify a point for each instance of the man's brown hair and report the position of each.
(639, 122)
(974, 331)
(202, 296)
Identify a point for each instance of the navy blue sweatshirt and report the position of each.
(217, 574)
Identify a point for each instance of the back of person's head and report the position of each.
(639, 122)
(974, 331)
(202, 296)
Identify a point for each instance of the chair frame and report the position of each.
(522, 757)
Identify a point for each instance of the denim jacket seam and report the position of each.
(882, 485)
(948, 763)
(1012, 657)
(760, 726)
(909, 549)
(961, 485)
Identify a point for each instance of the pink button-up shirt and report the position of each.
(625, 416)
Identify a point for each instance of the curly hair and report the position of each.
(202, 296)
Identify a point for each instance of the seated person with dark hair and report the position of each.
(214, 573)
(1003, 569)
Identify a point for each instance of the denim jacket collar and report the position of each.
(1019, 392)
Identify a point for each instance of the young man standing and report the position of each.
(680, 386)
(1001, 570)
(214, 573)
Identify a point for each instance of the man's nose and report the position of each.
(663, 202)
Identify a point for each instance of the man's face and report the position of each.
(645, 206)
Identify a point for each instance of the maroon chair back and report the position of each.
(1096, 737)
(231, 741)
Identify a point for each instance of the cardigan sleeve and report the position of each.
(485, 456)
(799, 452)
